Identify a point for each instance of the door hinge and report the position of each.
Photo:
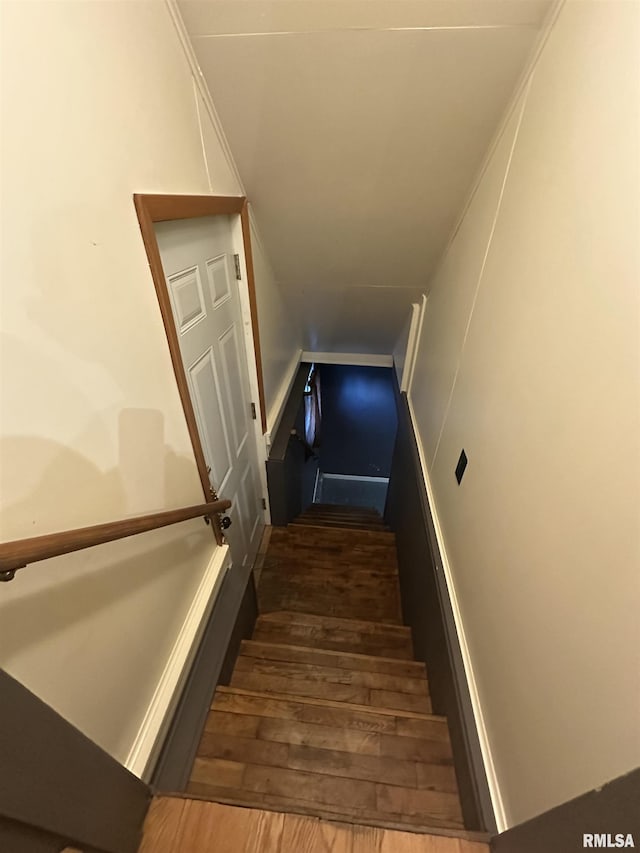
(253, 411)
(264, 503)
(236, 260)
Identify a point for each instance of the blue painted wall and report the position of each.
(359, 420)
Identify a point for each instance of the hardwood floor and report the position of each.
(327, 714)
(176, 825)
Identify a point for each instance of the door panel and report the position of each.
(197, 258)
(231, 369)
(207, 402)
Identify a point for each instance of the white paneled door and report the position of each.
(198, 261)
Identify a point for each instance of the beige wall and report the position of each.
(98, 102)
(280, 328)
(530, 360)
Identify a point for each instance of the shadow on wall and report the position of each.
(30, 619)
(49, 598)
(359, 420)
(60, 488)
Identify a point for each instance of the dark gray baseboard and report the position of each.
(232, 619)
(427, 610)
(611, 810)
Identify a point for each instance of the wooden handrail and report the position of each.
(21, 552)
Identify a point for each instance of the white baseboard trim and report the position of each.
(350, 358)
(360, 479)
(487, 758)
(276, 408)
(151, 733)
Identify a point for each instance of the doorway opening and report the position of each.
(355, 439)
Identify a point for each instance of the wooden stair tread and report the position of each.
(330, 657)
(348, 685)
(314, 664)
(331, 592)
(348, 714)
(287, 723)
(192, 823)
(359, 577)
(354, 798)
(289, 805)
(339, 763)
(373, 535)
(334, 622)
(303, 629)
(317, 520)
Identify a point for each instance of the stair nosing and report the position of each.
(330, 703)
(336, 653)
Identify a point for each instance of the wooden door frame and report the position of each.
(161, 208)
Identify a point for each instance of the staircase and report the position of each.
(327, 714)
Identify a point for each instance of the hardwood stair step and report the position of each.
(306, 678)
(331, 712)
(190, 823)
(262, 650)
(334, 633)
(333, 523)
(290, 720)
(358, 568)
(344, 764)
(359, 800)
(331, 556)
(362, 821)
(335, 533)
(330, 581)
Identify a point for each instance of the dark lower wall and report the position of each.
(427, 610)
(358, 420)
(232, 619)
(18, 838)
(289, 475)
(57, 784)
(612, 811)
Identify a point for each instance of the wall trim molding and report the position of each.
(277, 407)
(444, 567)
(203, 89)
(157, 718)
(412, 343)
(412, 354)
(358, 477)
(349, 358)
(521, 84)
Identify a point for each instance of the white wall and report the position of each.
(98, 102)
(280, 330)
(529, 359)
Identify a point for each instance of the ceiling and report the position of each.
(357, 127)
